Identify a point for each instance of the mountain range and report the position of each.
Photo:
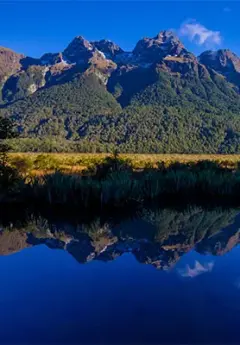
(94, 96)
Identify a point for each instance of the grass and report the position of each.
(94, 183)
(176, 58)
(37, 164)
(116, 181)
(114, 184)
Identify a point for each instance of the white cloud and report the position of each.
(227, 9)
(196, 270)
(199, 34)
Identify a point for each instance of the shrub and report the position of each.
(23, 165)
(9, 179)
(108, 166)
(44, 161)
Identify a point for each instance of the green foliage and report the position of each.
(154, 112)
(44, 161)
(6, 129)
(22, 165)
(6, 132)
(9, 177)
(19, 86)
(64, 110)
(9, 181)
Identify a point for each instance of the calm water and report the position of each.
(163, 277)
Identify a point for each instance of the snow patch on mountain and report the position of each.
(102, 54)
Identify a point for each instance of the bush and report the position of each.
(9, 179)
(46, 162)
(108, 166)
(23, 165)
(208, 165)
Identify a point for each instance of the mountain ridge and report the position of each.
(164, 49)
(96, 92)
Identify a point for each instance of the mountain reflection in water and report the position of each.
(156, 237)
(163, 277)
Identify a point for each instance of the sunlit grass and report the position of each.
(59, 179)
(40, 164)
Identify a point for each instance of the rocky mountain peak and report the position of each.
(166, 43)
(165, 36)
(81, 43)
(51, 59)
(223, 61)
(79, 50)
(109, 48)
(10, 62)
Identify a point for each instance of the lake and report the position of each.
(164, 276)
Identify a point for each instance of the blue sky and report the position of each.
(35, 27)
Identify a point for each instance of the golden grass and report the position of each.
(176, 58)
(76, 162)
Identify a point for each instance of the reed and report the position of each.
(114, 182)
(119, 186)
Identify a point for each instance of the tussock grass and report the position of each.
(40, 164)
(115, 181)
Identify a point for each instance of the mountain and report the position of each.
(166, 43)
(108, 48)
(10, 63)
(224, 62)
(94, 96)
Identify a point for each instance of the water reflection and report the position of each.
(98, 283)
(157, 237)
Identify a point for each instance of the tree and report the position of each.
(6, 132)
(8, 176)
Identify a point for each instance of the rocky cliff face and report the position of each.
(79, 51)
(108, 48)
(166, 43)
(223, 61)
(10, 63)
